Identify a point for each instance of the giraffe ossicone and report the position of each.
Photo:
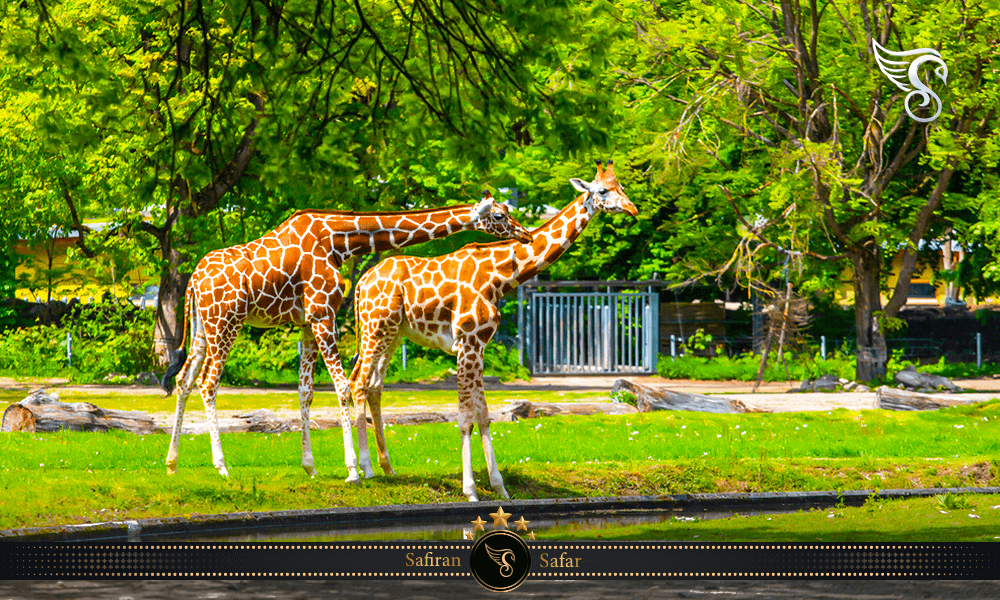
(291, 276)
(450, 303)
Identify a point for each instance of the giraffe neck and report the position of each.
(380, 231)
(551, 240)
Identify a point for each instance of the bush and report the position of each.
(841, 363)
(106, 338)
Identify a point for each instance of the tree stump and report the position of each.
(48, 414)
(648, 399)
(892, 399)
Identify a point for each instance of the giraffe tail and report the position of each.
(179, 356)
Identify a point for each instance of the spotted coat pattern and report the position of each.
(450, 303)
(291, 276)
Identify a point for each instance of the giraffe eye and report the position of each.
(497, 216)
(603, 192)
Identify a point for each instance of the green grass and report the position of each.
(910, 520)
(116, 475)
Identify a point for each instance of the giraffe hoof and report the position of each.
(171, 469)
(310, 471)
(353, 478)
(224, 472)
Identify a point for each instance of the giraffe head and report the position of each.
(494, 218)
(605, 194)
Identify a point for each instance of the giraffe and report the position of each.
(450, 303)
(291, 276)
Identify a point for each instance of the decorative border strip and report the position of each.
(451, 560)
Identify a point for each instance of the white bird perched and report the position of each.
(910, 66)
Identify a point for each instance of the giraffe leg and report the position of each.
(473, 367)
(326, 337)
(367, 390)
(186, 380)
(211, 373)
(210, 376)
(374, 399)
(307, 371)
(364, 456)
(466, 414)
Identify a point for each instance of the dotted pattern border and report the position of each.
(927, 560)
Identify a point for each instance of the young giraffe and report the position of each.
(291, 276)
(450, 303)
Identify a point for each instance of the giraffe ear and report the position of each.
(581, 185)
(483, 206)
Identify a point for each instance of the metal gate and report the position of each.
(590, 332)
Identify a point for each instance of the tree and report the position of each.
(820, 155)
(198, 125)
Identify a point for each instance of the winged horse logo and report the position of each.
(910, 67)
(500, 558)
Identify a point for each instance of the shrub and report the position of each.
(106, 338)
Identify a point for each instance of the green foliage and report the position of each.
(839, 362)
(951, 501)
(269, 355)
(624, 397)
(106, 338)
(744, 367)
(698, 342)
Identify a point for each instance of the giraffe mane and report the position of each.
(354, 213)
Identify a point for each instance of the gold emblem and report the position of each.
(478, 523)
(500, 518)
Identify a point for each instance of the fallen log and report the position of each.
(894, 399)
(531, 410)
(649, 399)
(41, 412)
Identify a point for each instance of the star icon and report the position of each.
(522, 524)
(531, 535)
(500, 518)
(468, 534)
(479, 522)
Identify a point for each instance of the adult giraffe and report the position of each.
(291, 276)
(450, 303)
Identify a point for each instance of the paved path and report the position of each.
(770, 397)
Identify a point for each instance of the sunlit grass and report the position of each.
(70, 477)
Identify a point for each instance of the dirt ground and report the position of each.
(467, 590)
(770, 397)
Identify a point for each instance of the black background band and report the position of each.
(449, 560)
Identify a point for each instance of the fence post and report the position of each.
(979, 350)
(822, 346)
(69, 349)
(520, 324)
(404, 354)
(673, 347)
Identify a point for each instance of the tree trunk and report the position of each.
(888, 398)
(169, 312)
(871, 349)
(41, 412)
(648, 400)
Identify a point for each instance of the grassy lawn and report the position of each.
(114, 476)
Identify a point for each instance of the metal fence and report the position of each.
(590, 332)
